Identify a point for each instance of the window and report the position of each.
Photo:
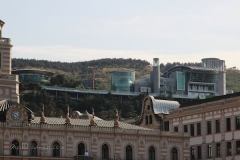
(15, 148)
(209, 127)
(218, 153)
(217, 126)
(185, 128)
(199, 129)
(176, 129)
(229, 148)
(81, 149)
(151, 153)
(128, 153)
(238, 122)
(228, 124)
(199, 152)
(174, 154)
(105, 152)
(209, 151)
(33, 148)
(146, 119)
(238, 147)
(148, 107)
(166, 126)
(192, 129)
(0, 60)
(192, 153)
(56, 149)
(150, 119)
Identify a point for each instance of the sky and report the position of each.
(83, 30)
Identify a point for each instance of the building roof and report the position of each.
(123, 70)
(163, 106)
(32, 71)
(195, 68)
(201, 101)
(86, 122)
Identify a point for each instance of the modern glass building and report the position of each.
(32, 75)
(122, 80)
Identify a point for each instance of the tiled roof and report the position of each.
(86, 122)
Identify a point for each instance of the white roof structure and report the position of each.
(163, 106)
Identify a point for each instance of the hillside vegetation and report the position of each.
(233, 80)
(79, 75)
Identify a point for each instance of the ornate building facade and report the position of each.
(213, 124)
(26, 137)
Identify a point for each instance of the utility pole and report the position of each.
(93, 76)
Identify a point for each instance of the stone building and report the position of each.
(213, 124)
(24, 136)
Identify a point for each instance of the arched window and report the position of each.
(33, 148)
(146, 119)
(150, 119)
(174, 154)
(129, 153)
(151, 153)
(15, 148)
(148, 107)
(81, 149)
(56, 149)
(105, 152)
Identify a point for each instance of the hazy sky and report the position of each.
(82, 30)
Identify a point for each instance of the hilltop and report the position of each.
(102, 68)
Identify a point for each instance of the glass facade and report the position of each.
(122, 80)
(33, 78)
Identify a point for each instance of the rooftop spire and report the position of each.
(68, 119)
(43, 119)
(1, 26)
(116, 122)
(92, 121)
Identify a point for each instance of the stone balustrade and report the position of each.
(5, 41)
(93, 129)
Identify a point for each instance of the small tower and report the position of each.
(68, 119)
(92, 121)
(116, 122)
(9, 84)
(43, 118)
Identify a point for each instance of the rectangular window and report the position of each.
(192, 129)
(176, 129)
(209, 127)
(199, 129)
(237, 122)
(192, 153)
(209, 151)
(0, 60)
(217, 126)
(229, 148)
(199, 152)
(238, 147)
(185, 128)
(218, 150)
(228, 124)
(166, 126)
